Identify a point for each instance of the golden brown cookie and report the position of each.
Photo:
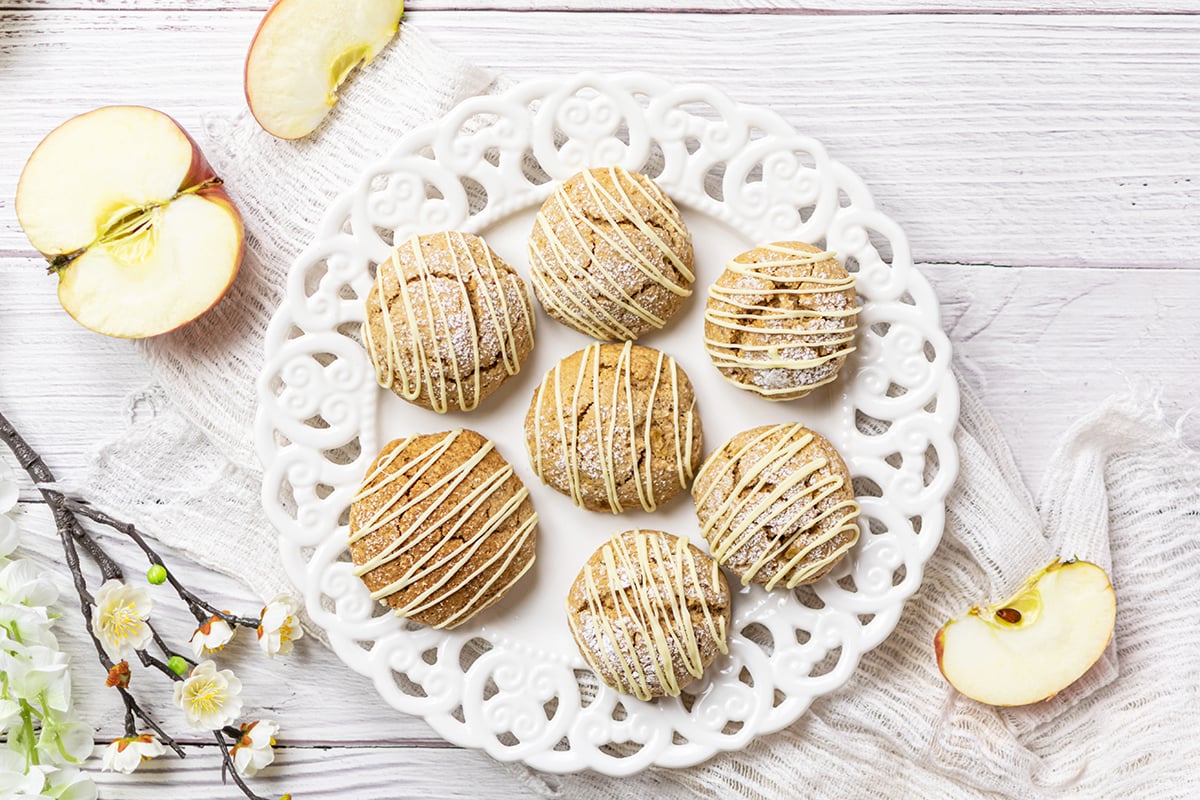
(777, 506)
(780, 320)
(448, 321)
(615, 426)
(610, 255)
(649, 612)
(442, 527)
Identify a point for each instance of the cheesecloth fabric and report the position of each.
(1122, 490)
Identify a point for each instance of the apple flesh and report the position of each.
(303, 51)
(1034, 644)
(133, 220)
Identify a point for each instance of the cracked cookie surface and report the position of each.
(448, 321)
(610, 255)
(615, 426)
(649, 612)
(781, 319)
(442, 527)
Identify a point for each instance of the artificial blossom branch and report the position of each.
(126, 628)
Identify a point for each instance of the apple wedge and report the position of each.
(1034, 644)
(133, 220)
(302, 52)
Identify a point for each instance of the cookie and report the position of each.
(448, 322)
(649, 612)
(442, 527)
(610, 255)
(777, 506)
(780, 320)
(615, 426)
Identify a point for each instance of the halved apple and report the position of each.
(1034, 644)
(302, 52)
(128, 212)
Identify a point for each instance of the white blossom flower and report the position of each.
(32, 670)
(279, 627)
(119, 618)
(10, 712)
(17, 778)
(210, 698)
(34, 682)
(68, 783)
(23, 583)
(211, 636)
(254, 750)
(127, 754)
(8, 501)
(65, 742)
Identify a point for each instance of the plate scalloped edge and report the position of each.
(747, 167)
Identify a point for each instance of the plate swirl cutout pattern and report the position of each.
(498, 155)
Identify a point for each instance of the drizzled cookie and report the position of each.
(649, 612)
(610, 255)
(615, 426)
(442, 527)
(448, 322)
(777, 506)
(780, 320)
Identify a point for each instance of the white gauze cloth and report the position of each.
(1121, 491)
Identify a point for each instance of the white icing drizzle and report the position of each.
(789, 345)
(601, 439)
(759, 498)
(397, 470)
(635, 639)
(439, 360)
(567, 291)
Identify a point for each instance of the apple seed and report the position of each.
(1010, 615)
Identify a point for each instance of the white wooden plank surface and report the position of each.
(344, 773)
(763, 7)
(1066, 145)
(1001, 140)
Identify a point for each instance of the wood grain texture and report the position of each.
(344, 773)
(997, 140)
(764, 7)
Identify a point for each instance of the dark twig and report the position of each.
(228, 768)
(85, 604)
(200, 609)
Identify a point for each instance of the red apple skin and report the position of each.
(246, 70)
(200, 171)
(939, 646)
(245, 66)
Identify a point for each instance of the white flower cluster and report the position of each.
(43, 743)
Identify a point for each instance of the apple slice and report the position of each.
(302, 52)
(1034, 644)
(124, 206)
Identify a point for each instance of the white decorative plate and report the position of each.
(510, 681)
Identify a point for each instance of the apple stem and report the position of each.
(73, 536)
